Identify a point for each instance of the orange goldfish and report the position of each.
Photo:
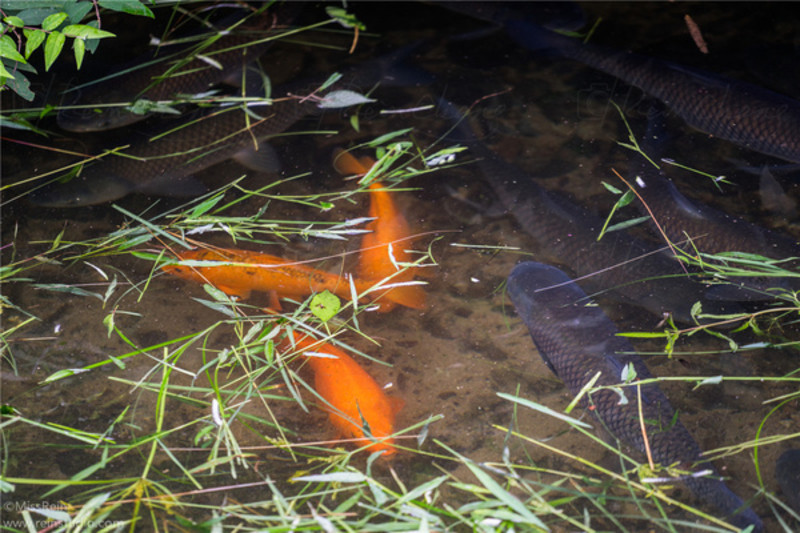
(356, 400)
(376, 260)
(262, 272)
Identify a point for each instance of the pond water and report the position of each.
(547, 115)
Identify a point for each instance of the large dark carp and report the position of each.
(189, 70)
(632, 270)
(165, 163)
(787, 471)
(711, 231)
(742, 113)
(576, 342)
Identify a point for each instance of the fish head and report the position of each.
(99, 117)
(81, 191)
(96, 119)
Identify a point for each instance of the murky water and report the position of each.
(552, 119)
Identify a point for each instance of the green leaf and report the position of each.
(325, 305)
(131, 7)
(611, 188)
(54, 21)
(626, 199)
(344, 18)
(21, 85)
(204, 207)
(383, 139)
(52, 47)
(76, 11)
(14, 21)
(61, 287)
(543, 409)
(79, 47)
(343, 98)
(626, 224)
(33, 40)
(8, 49)
(334, 477)
(82, 31)
(4, 74)
(65, 373)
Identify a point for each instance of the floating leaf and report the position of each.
(626, 224)
(336, 477)
(325, 305)
(344, 18)
(343, 98)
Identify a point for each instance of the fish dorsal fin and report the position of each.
(396, 404)
(345, 163)
(265, 159)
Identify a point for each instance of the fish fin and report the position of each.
(168, 185)
(80, 191)
(366, 161)
(412, 296)
(537, 38)
(346, 164)
(265, 159)
(243, 294)
(734, 293)
(773, 197)
(396, 404)
(274, 302)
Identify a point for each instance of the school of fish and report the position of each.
(576, 341)
(357, 405)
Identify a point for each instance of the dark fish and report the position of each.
(164, 163)
(742, 113)
(787, 470)
(711, 231)
(556, 15)
(576, 342)
(189, 70)
(632, 270)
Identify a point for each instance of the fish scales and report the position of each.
(712, 231)
(207, 138)
(740, 112)
(164, 165)
(577, 342)
(180, 72)
(568, 233)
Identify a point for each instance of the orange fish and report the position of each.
(376, 260)
(268, 273)
(356, 401)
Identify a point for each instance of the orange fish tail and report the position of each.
(351, 394)
(412, 296)
(345, 163)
